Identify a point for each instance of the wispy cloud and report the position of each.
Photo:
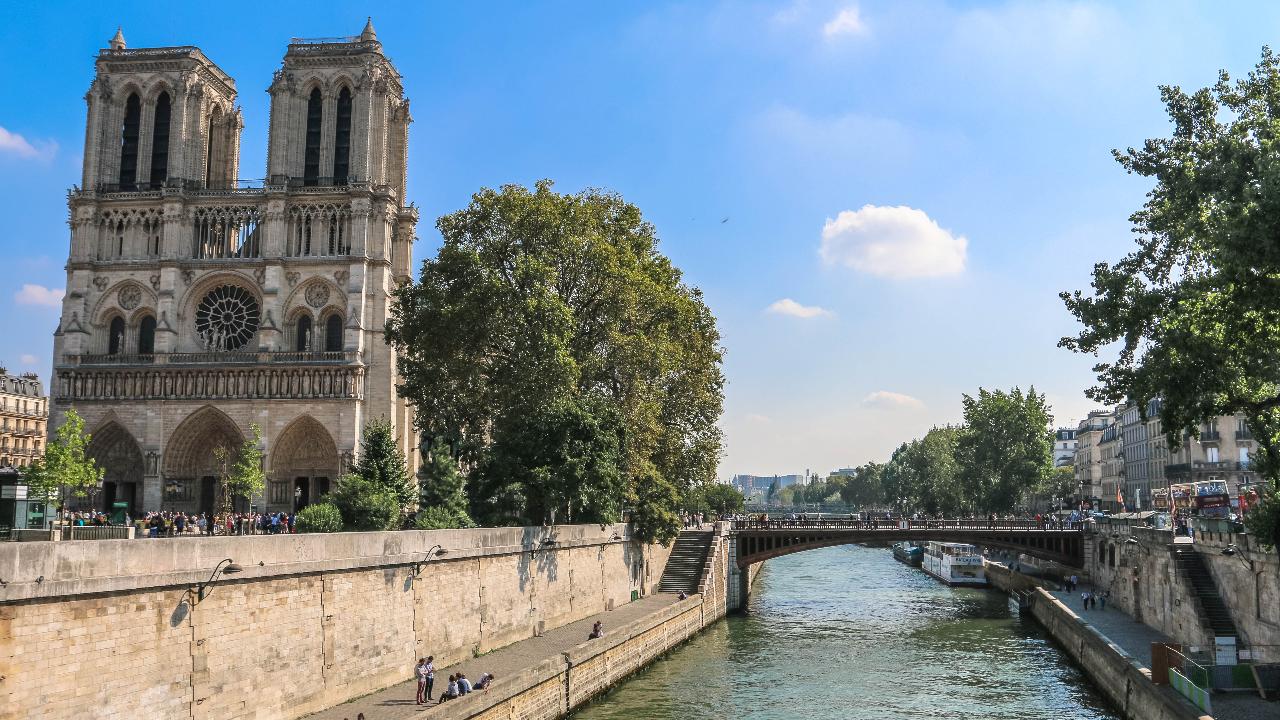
(757, 418)
(846, 22)
(897, 242)
(886, 399)
(28, 359)
(39, 295)
(11, 143)
(791, 308)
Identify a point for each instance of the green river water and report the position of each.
(847, 632)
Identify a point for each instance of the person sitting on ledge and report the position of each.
(597, 631)
(483, 682)
(682, 596)
(464, 685)
(452, 691)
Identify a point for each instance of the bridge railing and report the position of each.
(901, 524)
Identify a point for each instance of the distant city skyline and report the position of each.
(880, 200)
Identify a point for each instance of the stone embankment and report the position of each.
(1119, 675)
(312, 621)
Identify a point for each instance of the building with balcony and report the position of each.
(1111, 452)
(1088, 456)
(197, 306)
(1218, 451)
(24, 411)
(1064, 447)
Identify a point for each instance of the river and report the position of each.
(848, 632)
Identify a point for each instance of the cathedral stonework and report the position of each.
(198, 306)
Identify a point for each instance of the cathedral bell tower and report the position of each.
(199, 306)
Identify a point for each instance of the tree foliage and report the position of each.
(441, 486)
(320, 518)
(382, 463)
(365, 504)
(1194, 310)
(1006, 447)
(559, 309)
(719, 498)
(439, 518)
(66, 468)
(242, 471)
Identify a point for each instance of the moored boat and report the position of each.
(909, 553)
(954, 563)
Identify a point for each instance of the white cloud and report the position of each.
(39, 295)
(757, 418)
(897, 242)
(846, 22)
(789, 307)
(11, 142)
(886, 399)
(28, 359)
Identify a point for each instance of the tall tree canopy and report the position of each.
(565, 359)
(1195, 309)
(382, 463)
(1006, 447)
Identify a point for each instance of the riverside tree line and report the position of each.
(1002, 452)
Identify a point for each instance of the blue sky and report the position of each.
(907, 185)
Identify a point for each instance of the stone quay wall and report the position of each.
(1137, 566)
(1119, 675)
(310, 622)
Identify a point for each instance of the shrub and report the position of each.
(438, 518)
(320, 518)
(365, 504)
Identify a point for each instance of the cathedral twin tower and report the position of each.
(196, 307)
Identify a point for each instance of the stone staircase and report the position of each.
(684, 567)
(1214, 614)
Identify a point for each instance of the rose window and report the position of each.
(227, 318)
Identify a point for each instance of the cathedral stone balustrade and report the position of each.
(325, 382)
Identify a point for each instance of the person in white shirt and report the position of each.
(464, 685)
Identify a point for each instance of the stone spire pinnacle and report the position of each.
(368, 34)
(117, 42)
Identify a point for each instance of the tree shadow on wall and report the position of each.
(539, 556)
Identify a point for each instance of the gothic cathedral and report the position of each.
(198, 305)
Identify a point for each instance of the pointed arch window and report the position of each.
(147, 336)
(311, 159)
(129, 142)
(333, 333)
(115, 337)
(160, 143)
(302, 334)
(342, 139)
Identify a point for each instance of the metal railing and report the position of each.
(900, 524)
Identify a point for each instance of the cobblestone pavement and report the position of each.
(1136, 638)
(397, 701)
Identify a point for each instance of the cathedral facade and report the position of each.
(198, 306)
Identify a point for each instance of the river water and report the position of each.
(848, 632)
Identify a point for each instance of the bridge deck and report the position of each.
(761, 539)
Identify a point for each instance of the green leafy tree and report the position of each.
(1195, 308)
(723, 499)
(773, 491)
(547, 305)
(1005, 449)
(365, 504)
(320, 518)
(242, 474)
(382, 463)
(863, 489)
(66, 470)
(442, 495)
(438, 518)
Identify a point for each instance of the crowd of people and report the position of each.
(181, 524)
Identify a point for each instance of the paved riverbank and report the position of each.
(1136, 638)
(397, 702)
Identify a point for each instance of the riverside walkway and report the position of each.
(397, 701)
(1136, 638)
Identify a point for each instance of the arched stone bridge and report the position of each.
(757, 540)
